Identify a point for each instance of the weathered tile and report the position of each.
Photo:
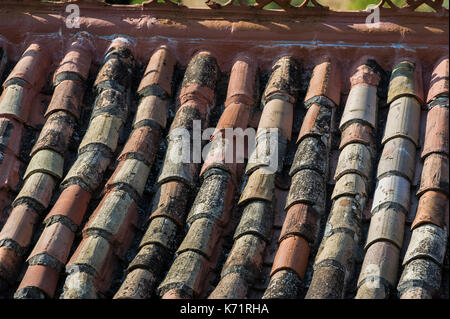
(171, 200)
(92, 251)
(151, 108)
(269, 151)
(325, 81)
(283, 79)
(116, 209)
(307, 187)
(257, 218)
(103, 129)
(178, 167)
(434, 174)
(427, 241)
(277, 113)
(439, 79)
(436, 135)
(284, 284)
(301, 220)
(77, 58)
(16, 101)
(354, 158)
(260, 185)
(11, 134)
(245, 257)
(56, 133)
(88, 168)
(316, 123)
(202, 237)
(293, 254)
(354, 185)
(135, 285)
(337, 249)
(327, 283)
(361, 106)
(432, 208)
(158, 73)
(312, 154)
(161, 231)
(214, 200)
(403, 119)
(131, 172)
(187, 272)
(392, 189)
(398, 157)
(381, 260)
(421, 273)
(46, 161)
(68, 97)
(388, 223)
(406, 80)
(79, 285)
(43, 277)
(358, 133)
(232, 286)
(39, 187)
(242, 85)
(344, 215)
(110, 101)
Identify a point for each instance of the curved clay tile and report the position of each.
(176, 180)
(306, 199)
(244, 262)
(421, 276)
(391, 202)
(52, 249)
(115, 218)
(20, 88)
(212, 206)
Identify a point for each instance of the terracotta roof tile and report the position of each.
(267, 247)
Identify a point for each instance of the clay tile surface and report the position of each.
(439, 80)
(93, 204)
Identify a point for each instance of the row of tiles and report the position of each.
(107, 235)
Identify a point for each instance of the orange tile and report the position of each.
(159, 71)
(436, 135)
(439, 79)
(68, 96)
(72, 203)
(20, 225)
(56, 241)
(325, 81)
(43, 277)
(143, 143)
(292, 254)
(358, 133)
(32, 66)
(432, 208)
(242, 84)
(434, 174)
(77, 58)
